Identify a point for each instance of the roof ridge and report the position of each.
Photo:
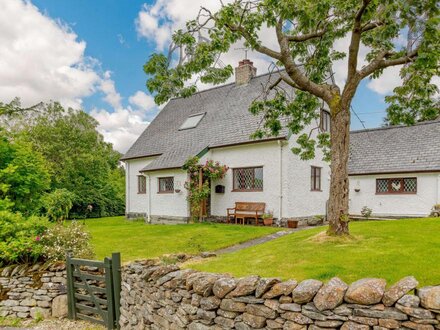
(429, 122)
(221, 86)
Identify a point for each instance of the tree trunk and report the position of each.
(339, 185)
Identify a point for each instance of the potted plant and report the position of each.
(268, 218)
(292, 223)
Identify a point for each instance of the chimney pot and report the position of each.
(244, 72)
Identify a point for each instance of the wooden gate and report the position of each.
(93, 290)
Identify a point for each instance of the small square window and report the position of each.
(166, 185)
(142, 184)
(192, 121)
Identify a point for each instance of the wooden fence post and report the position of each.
(70, 287)
(116, 273)
(109, 292)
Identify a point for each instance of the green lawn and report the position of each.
(387, 249)
(137, 240)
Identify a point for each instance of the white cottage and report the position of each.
(395, 171)
(216, 124)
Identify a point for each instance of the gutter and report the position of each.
(280, 143)
(149, 199)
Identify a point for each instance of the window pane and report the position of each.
(166, 184)
(248, 178)
(410, 185)
(142, 186)
(396, 185)
(382, 185)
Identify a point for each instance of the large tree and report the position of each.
(306, 32)
(76, 156)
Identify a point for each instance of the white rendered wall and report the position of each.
(135, 203)
(291, 191)
(170, 204)
(418, 204)
(300, 200)
(264, 154)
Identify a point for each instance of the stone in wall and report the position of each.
(186, 299)
(32, 291)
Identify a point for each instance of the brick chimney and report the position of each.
(244, 72)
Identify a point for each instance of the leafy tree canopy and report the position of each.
(76, 157)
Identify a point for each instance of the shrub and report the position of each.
(366, 212)
(20, 238)
(60, 238)
(58, 204)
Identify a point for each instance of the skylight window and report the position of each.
(192, 121)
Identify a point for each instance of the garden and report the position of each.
(388, 249)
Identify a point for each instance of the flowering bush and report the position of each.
(20, 238)
(28, 240)
(211, 171)
(61, 238)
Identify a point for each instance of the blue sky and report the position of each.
(90, 54)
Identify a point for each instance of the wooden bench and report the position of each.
(243, 210)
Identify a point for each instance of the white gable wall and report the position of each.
(392, 205)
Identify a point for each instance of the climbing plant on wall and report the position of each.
(198, 183)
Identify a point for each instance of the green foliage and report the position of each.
(23, 175)
(58, 204)
(66, 237)
(366, 212)
(65, 145)
(307, 32)
(211, 171)
(19, 238)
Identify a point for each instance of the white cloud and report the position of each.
(41, 59)
(158, 21)
(121, 127)
(386, 83)
(142, 101)
(107, 86)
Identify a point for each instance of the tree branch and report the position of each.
(305, 37)
(259, 48)
(372, 25)
(301, 81)
(381, 62)
(353, 50)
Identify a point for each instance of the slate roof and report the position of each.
(227, 121)
(396, 149)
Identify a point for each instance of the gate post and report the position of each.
(109, 292)
(116, 274)
(70, 287)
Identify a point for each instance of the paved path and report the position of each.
(261, 240)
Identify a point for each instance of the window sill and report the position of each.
(397, 193)
(142, 193)
(316, 190)
(247, 190)
(165, 192)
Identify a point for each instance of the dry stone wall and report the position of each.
(37, 291)
(157, 296)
